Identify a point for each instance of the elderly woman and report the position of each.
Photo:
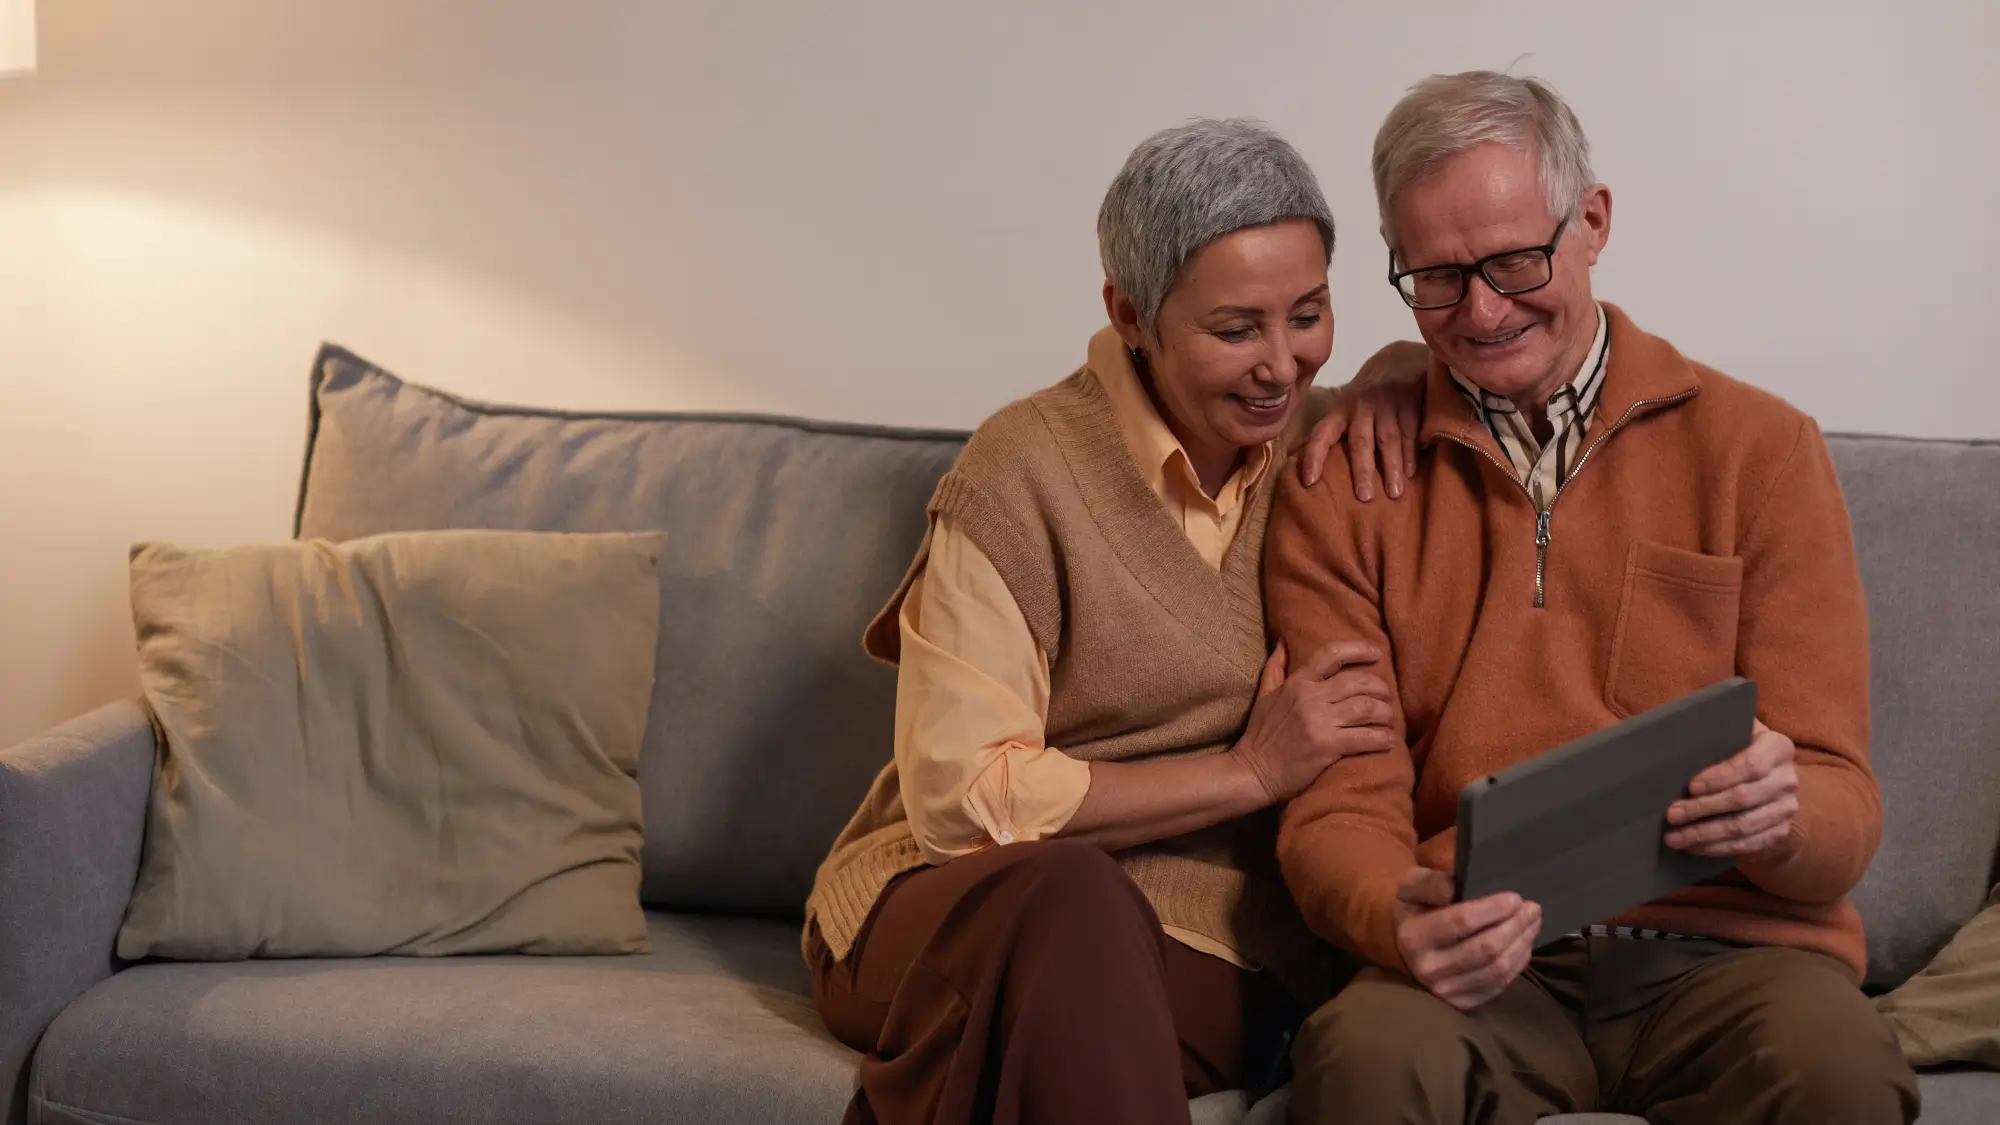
(1059, 902)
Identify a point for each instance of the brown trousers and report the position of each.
(1032, 983)
(1681, 1033)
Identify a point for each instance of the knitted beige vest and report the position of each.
(1152, 653)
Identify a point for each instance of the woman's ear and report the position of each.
(1124, 316)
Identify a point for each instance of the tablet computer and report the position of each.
(1580, 830)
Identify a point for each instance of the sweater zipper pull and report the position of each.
(1541, 552)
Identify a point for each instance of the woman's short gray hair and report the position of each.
(1447, 114)
(1185, 187)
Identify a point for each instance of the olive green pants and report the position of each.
(1678, 1032)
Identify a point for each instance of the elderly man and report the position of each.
(1595, 525)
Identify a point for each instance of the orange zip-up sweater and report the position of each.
(1701, 535)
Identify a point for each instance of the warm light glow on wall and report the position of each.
(17, 37)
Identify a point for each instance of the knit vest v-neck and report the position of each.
(1152, 654)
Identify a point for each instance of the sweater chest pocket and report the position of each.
(1676, 630)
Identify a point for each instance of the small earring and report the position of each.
(1138, 357)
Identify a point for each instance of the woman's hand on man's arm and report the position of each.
(1304, 720)
(1332, 706)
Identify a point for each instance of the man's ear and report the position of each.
(1124, 315)
(1595, 212)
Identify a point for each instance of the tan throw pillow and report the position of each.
(1950, 1012)
(419, 743)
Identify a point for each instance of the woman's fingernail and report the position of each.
(1367, 494)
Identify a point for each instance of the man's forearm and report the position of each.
(1838, 826)
(1344, 879)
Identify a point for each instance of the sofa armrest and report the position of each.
(72, 818)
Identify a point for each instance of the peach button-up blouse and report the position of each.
(972, 689)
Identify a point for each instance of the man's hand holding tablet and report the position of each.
(1575, 835)
(1465, 953)
(1742, 805)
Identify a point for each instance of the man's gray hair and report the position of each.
(1185, 187)
(1447, 114)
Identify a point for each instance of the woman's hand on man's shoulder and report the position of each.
(1377, 413)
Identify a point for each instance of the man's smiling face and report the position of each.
(1485, 201)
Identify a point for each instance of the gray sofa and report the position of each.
(767, 724)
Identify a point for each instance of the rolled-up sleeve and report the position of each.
(972, 694)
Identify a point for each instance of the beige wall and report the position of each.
(877, 211)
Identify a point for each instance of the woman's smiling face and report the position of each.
(1239, 338)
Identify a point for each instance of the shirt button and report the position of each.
(1005, 838)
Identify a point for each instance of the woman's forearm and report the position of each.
(1133, 803)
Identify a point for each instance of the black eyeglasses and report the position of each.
(1509, 272)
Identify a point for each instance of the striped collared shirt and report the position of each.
(1543, 467)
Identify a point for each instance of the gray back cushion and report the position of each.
(1927, 527)
(783, 538)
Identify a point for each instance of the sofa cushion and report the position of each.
(767, 719)
(714, 1025)
(1927, 538)
(418, 743)
(1965, 1097)
(711, 1026)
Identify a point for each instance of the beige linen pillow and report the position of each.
(418, 743)
(1950, 1012)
